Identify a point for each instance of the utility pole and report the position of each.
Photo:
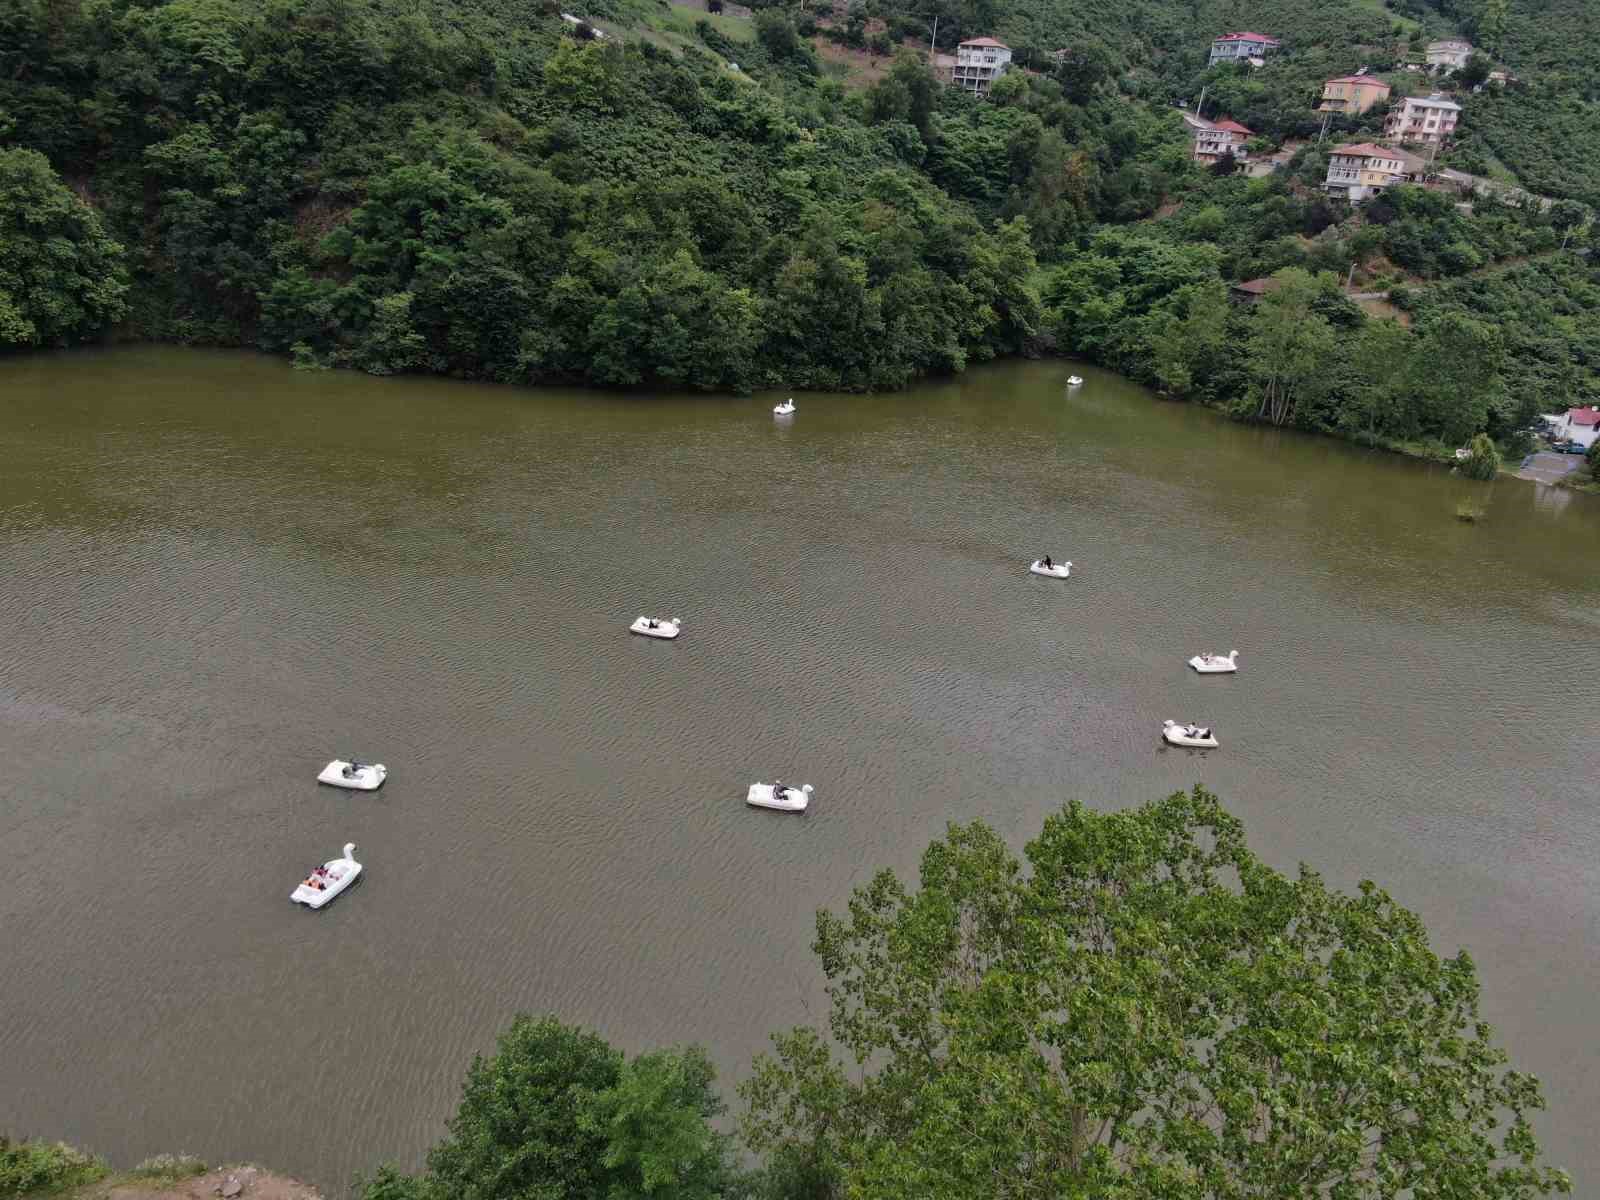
(1350, 278)
(1200, 108)
(1323, 132)
(933, 42)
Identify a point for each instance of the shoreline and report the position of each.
(1440, 455)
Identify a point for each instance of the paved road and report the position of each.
(1545, 466)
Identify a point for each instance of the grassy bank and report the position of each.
(34, 1170)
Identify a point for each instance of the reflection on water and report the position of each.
(219, 573)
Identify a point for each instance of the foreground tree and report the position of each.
(61, 276)
(1290, 342)
(1149, 1011)
(558, 1114)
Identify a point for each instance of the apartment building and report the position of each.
(1451, 54)
(1352, 94)
(1211, 140)
(1362, 170)
(979, 62)
(1237, 47)
(1426, 119)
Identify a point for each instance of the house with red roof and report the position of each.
(1210, 141)
(979, 62)
(1581, 425)
(1362, 170)
(1241, 47)
(1352, 94)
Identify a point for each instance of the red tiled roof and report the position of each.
(985, 41)
(1231, 126)
(1247, 37)
(1366, 150)
(1358, 79)
(1584, 416)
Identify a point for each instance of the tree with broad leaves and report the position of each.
(1147, 1010)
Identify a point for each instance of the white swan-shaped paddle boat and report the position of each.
(1074, 381)
(778, 795)
(1188, 735)
(784, 409)
(1060, 570)
(1216, 664)
(360, 777)
(650, 627)
(328, 880)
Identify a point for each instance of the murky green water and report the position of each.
(218, 573)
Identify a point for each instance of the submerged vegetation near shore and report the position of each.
(485, 192)
(1135, 1009)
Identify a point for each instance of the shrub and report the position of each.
(30, 1166)
(1483, 460)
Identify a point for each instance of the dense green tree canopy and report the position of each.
(61, 275)
(1144, 1009)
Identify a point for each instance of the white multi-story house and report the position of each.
(1236, 47)
(1362, 170)
(979, 62)
(1211, 140)
(1427, 119)
(1451, 54)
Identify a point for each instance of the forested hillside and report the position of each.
(1546, 127)
(490, 191)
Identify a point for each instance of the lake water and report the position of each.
(218, 573)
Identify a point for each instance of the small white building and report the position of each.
(1237, 47)
(1451, 54)
(1581, 425)
(979, 62)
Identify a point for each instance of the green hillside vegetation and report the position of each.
(1546, 127)
(490, 192)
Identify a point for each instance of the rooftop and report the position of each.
(1257, 287)
(985, 41)
(1231, 127)
(1584, 416)
(1366, 150)
(1434, 101)
(1248, 37)
(1359, 79)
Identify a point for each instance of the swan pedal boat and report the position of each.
(1060, 570)
(1074, 381)
(1188, 735)
(779, 796)
(784, 409)
(328, 880)
(650, 627)
(360, 777)
(1216, 664)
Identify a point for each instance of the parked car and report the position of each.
(1572, 447)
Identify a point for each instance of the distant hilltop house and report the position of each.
(1362, 170)
(979, 62)
(1581, 425)
(1250, 47)
(1426, 119)
(1212, 140)
(1451, 54)
(1352, 94)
